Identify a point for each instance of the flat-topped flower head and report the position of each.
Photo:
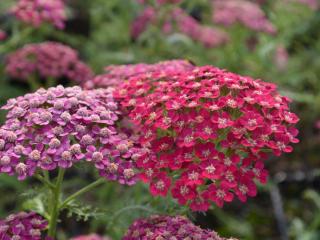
(22, 226)
(62, 126)
(168, 227)
(116, 74)
(47, 60)
(178, 20)
(37, 12)
(208, 132)
(245, 12)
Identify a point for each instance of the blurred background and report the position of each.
(277, 41)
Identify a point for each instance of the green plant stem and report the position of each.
(33, 83)
(81, 191)
(50, 82)
(55, 204)
(45, 181)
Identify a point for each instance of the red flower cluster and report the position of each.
(208, 132)
(116, 74)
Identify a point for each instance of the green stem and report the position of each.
(50, 82)
(55, 204)
(33, 83)
(81, 191)
(45, 181)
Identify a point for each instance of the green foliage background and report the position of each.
(104, 39)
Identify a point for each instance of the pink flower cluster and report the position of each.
(167, 227)
(208, 132)
(22, 226)
(206, 35)
(250, 14)
(161, 2)
(61, 126)
(116, 74)
(90, 237)
(37, 12)
(48, 59)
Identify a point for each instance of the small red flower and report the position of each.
(160, 184)
(222, 120)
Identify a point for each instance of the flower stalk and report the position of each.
(56, 192)
(80, 192)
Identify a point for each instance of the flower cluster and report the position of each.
(24, 226)
(206, 35)
(141, 23)
(61, 126)
(90, 237)
(167, 227)
(245, 12)
(210, 131)
(116, 74)
(37, 12)
(48, 59)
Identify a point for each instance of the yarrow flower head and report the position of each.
(22, 226)
(47, 59)
(116, 74)
(208, 36)
(208, 132)
(167, 227)
(61, 126)
(90, 237)
(37, 12)
(250, 14)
